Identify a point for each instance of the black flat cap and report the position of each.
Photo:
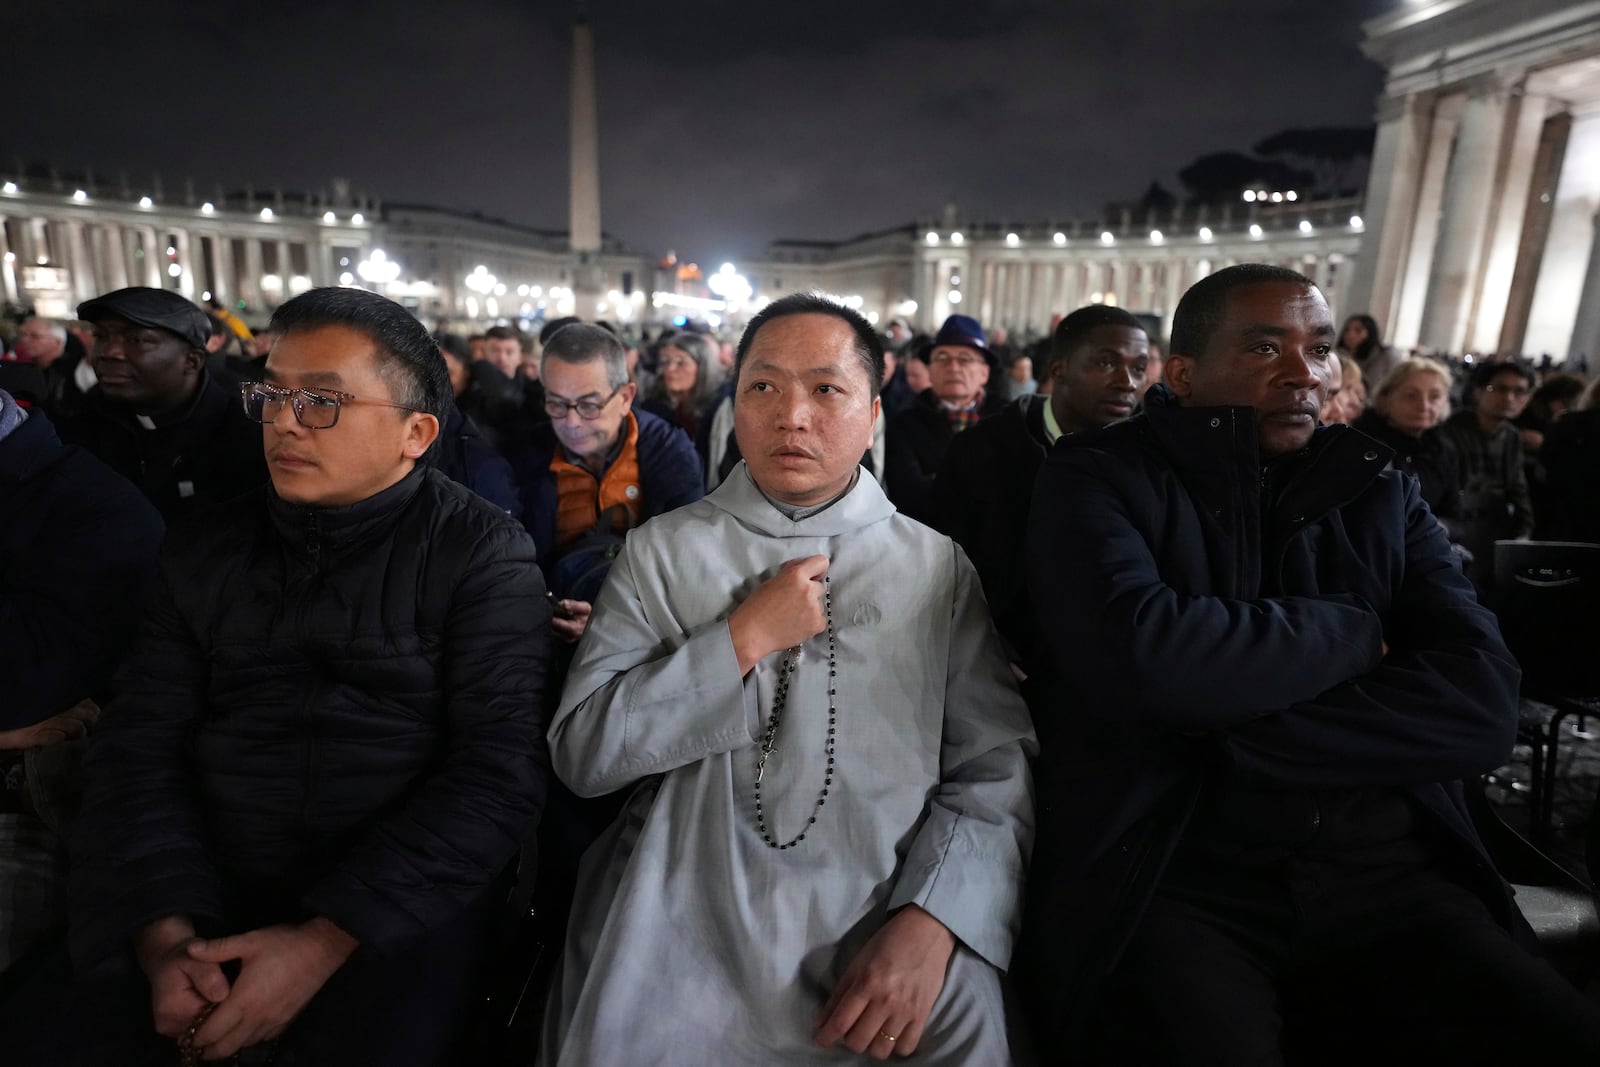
(159, 308)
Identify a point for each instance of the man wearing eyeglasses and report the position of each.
(596, 469)
(328, 743)
(157, 416)
(1495, 501)
(916, 440)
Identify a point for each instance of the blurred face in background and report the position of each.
(1332, 406)
(959, 373)
(503, 352)
(679, 371)
(918, 375)
(1354, 332)
(1418, 403)
(1505, 396)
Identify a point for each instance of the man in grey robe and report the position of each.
(844, 880)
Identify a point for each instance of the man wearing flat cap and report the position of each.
(157, 416)
(916, 440)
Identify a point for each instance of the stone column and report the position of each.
(250, 284)
(1586, 329)
(1567, 251)
(1525, 119)
(84, 284)
(38, 230)
(989, 293)
(1473, 198)
(186, 250)
(1390, 212)
(1006, 314)
(1537, 211)
(1410, 295)
(222, 283)
(114, 256)
(127, 236)
(151, 264)
(1177, 278)
(8, 267)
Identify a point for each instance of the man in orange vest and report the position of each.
(596, 469)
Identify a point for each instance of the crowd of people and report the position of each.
(833, 694)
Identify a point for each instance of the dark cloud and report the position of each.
(723, 125)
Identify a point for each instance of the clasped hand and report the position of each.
(281, 969)
(68, 725)
(784, 611)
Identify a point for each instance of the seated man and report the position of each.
(77, 557)
(981, 497)
(158, 417)
(596, 468)
(326, 746)
(1495, 500)
(823, 850)
(1272, 677)
(960, 366)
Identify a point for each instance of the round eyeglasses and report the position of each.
(315, 409)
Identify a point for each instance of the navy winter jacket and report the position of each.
(1191, 635)
(670, 475)
(466, 457)
(77, 558)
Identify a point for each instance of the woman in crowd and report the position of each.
(685, 390)
(1347, 393)
(1409, 404)
(1360, 341)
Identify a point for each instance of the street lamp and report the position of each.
(730, 285)
(378, 268)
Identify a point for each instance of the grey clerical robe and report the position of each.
(691, 940)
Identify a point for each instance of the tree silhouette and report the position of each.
(1222, 176)
(1337, 156)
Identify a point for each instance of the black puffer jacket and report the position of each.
(330, 711)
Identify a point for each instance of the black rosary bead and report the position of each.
(780, 701)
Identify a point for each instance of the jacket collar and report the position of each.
(1032, 408)
(1215, 452)
(316, 530)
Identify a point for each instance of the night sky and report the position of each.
(818, 120)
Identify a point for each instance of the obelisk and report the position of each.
(583, 225)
